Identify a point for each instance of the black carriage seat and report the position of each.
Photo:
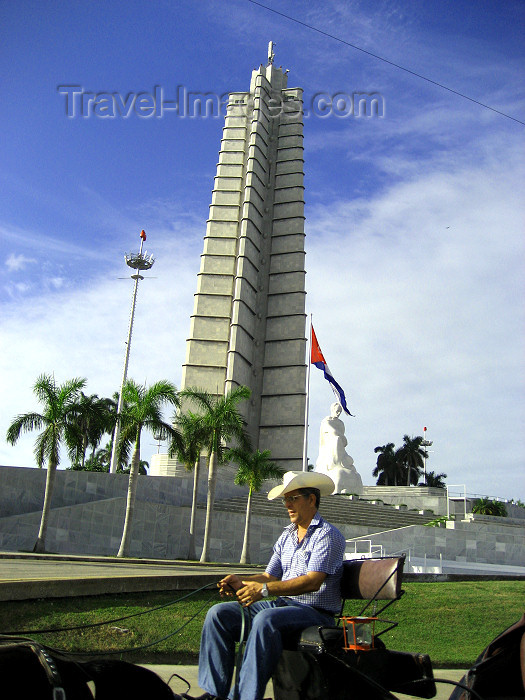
(363, 579)
(314, 664)
(372, 580)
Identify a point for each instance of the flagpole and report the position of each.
(307, 403)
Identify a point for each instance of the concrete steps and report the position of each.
(335, 509)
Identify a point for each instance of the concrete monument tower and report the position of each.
(248, 323)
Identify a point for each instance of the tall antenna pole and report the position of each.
(425, 443)
(136, 262)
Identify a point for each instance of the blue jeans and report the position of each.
(222, 628)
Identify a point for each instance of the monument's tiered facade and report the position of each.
(248, 324)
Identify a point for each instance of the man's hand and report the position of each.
(250, 592)
(229, 585)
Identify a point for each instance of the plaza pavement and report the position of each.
(30, 576)
(26, 576)
(190, 674)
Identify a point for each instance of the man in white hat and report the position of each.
(299, 588)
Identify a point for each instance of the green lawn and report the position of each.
(452, 622)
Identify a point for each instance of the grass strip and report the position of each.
(452, 622)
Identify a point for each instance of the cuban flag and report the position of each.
(317, 359)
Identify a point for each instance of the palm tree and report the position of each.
(141, 409)
(411, 455)
(101, 457)
(93, 419)
(96, 462)
(188, 450)
(60, 405)
(254, 469)
(220, 421)
(388, 468)
(436, 480)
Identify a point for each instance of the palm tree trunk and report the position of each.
(84, 450)
(130, 504)
(212, 478)
(40, 544)
(191, 543)
(245, 554)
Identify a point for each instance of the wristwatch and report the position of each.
(264, 592)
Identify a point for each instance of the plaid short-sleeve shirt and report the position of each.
(322, 549)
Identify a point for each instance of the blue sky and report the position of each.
(414, 219)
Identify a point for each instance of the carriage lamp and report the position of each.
(358, 633)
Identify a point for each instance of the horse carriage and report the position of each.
(346, 662)
(351, 661)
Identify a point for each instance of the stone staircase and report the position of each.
(336, 509)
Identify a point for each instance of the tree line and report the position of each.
(79, 422)
(404, 466)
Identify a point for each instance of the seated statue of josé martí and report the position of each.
(333, 459)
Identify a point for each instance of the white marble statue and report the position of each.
(333, 459)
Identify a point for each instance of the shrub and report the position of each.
(437, 522)
(484, 506)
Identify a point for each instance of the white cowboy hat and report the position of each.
(303, 480)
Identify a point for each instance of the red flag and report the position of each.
(317, 359)
(316, 354)
(143, 235)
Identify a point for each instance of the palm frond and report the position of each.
(45, 389)
(202, 398)
(190, 438)
(254, 467)
(24, 424)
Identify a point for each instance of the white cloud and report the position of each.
(15, 263)
(46, 245)
(422, 320)
(16, 289)
(55, 282)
